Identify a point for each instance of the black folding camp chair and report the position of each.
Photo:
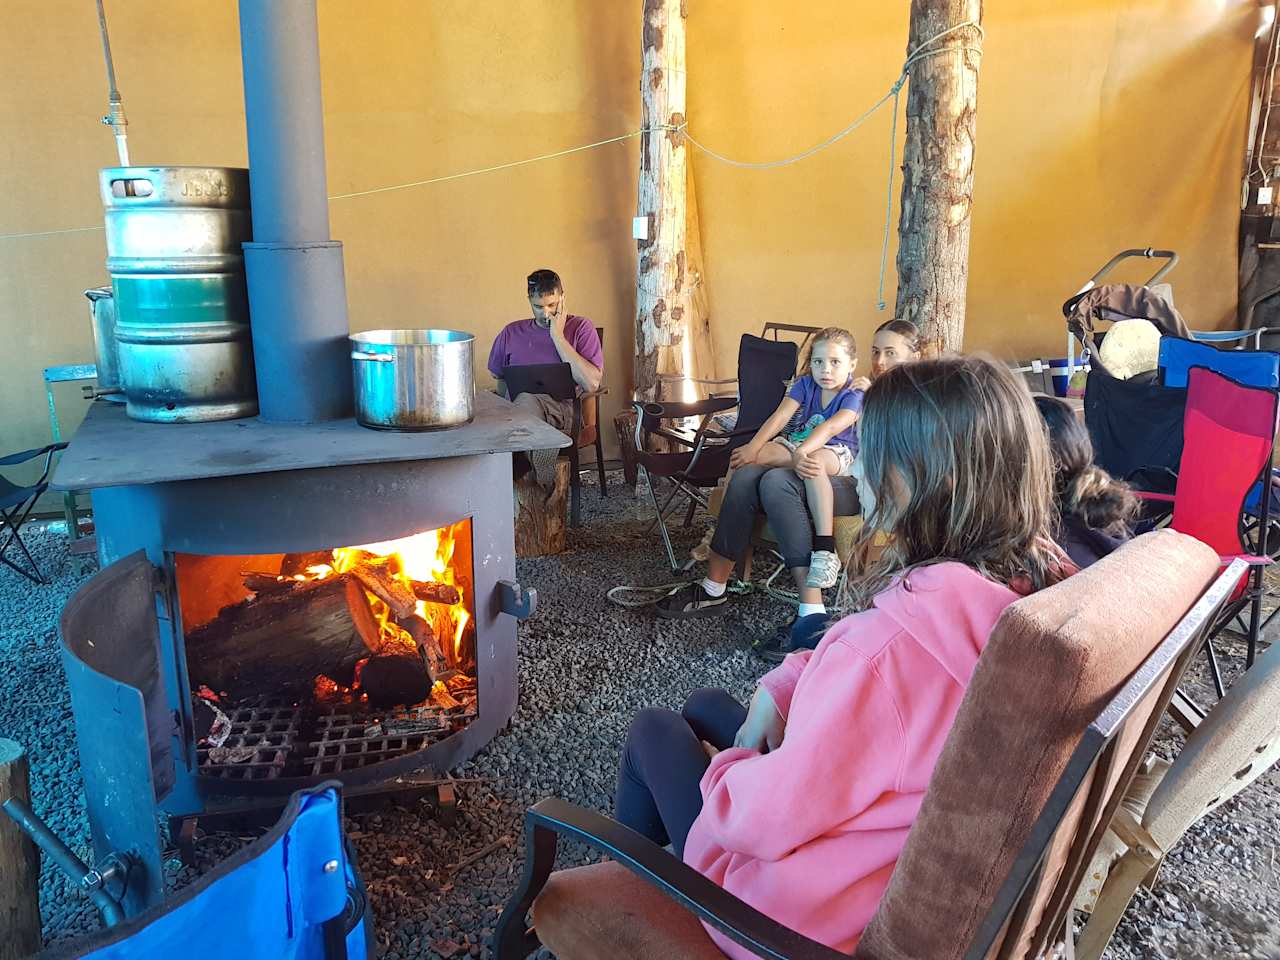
(697, 459)
(16, 504)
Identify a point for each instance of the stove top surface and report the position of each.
(110, 450)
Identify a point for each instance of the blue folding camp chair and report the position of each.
(292, 894)
(16, 504)
(1255, 368)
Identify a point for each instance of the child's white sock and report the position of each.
(810, 608)
(713, 589)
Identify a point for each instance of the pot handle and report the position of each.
(376, 357)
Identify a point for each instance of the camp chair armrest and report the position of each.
(672, 378)
(691, 890)
(16, 458)
(578, 400)
(680, 410)
(1249, 558)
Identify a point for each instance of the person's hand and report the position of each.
(806, 464)
(711, 749)
(764, 727)
(557, 320)
(743, 455)
(862, 383)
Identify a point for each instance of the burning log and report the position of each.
(296, 563)
(379, 581)
(278, 642)
(443, 699)
(392, 681)
(261, 583)
(424, 636)
(436, 592)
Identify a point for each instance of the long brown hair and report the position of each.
(1081, 488)
(958, 461)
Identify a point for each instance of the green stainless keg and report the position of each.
(182, 310)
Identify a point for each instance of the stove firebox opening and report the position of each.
(311, 664)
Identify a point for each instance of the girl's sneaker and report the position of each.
(824, 570)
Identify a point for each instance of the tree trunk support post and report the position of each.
(937, 168)
(19, 862)
(673, 335)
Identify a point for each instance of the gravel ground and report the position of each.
(585, 668)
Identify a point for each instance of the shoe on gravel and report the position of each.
(689, 601)
(774, 648)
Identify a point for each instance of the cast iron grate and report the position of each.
(344, 741)
(264, 735)
(271, 738)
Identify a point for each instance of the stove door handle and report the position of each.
(516, 600)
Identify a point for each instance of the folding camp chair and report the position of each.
(773, 331)
(1056, 718)
(1229, 433)
(1237, 337)
(1255, 368)
(765, 368)
(1237, 742)
(292, 894)
(16, 504)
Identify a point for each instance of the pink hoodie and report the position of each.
(810, 833)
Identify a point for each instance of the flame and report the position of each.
(422, 558)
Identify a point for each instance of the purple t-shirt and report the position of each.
(806, 392)
(524, 342)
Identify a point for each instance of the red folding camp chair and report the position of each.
(1229, 432)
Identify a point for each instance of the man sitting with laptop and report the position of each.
(541, 362)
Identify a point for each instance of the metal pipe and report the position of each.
(90, 881)
(297, 290)
(280, 47)
(115, 117)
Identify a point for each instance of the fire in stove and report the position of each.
(312, 663)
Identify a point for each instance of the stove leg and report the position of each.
(446, 804)
(184, 839)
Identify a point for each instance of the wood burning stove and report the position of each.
(367, 548)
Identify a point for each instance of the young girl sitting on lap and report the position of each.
(813, 431)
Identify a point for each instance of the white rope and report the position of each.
(625, 595)
(47, 233)
(924, 49)
(888, 195)
(500, 166)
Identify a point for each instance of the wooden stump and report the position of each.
(625, 424)
(19, 863)
(540, 519)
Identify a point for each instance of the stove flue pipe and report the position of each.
(297, 291)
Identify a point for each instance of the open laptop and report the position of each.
(553, 379)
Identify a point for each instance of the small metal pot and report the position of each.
(413, 379)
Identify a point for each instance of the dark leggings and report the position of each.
(663, 762)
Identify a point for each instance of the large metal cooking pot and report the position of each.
(413, 379)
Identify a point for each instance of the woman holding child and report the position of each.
(792, 481)
(801, 804)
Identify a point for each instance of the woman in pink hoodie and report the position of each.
(801, 805)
